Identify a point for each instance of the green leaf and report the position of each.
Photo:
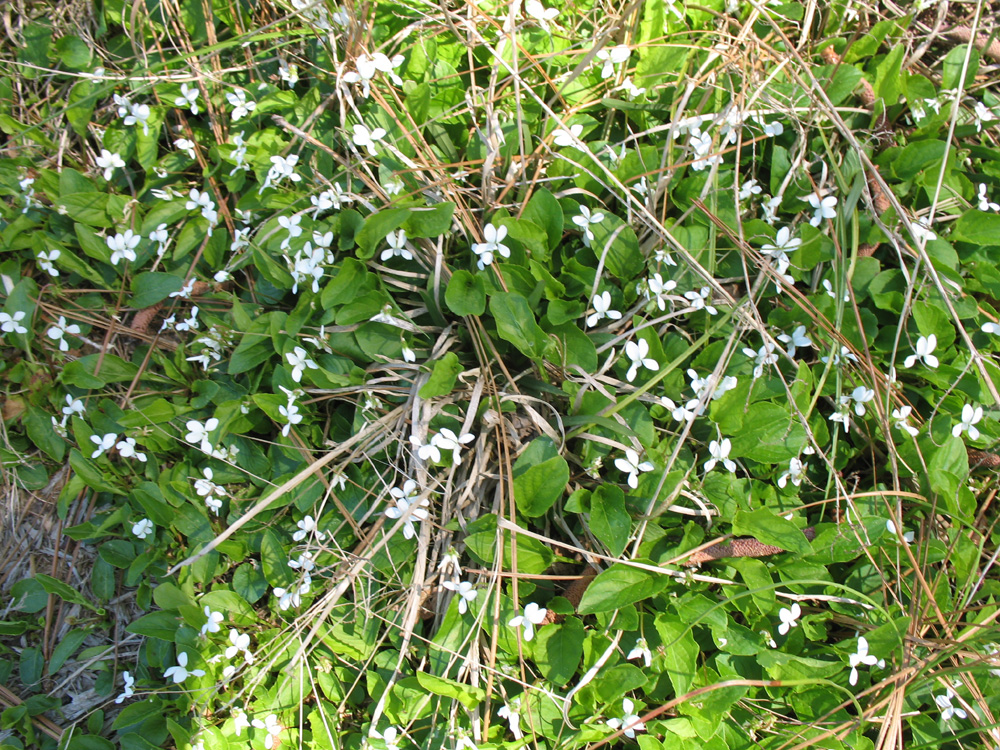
(38, 423)
(160, 625)
(31, 666)
(90, 474)
(80, 107)
(609, 520)
(769, 528)
(96, 371)
(87, 208)
(274, 561)
(544, 211)
(443, 377)
(429, 222)
(351, 281)
(617, 243)
(249, 583)
(770, 434)
(468, 695)
(73, 51)
(466, 293)
(65, 592)
(680, 652)
(377, 226)
(66, 647)
(953, 64)
(516, 323)
(618, 586)
(558, 650)
(529, 234)
(151, 287)
(978, 227)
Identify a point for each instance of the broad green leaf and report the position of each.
(249, 583)
(516, 323)
(770, 434)
(609, 520)
(539, 487)
(65, 592)
(680, 651)
(767, 527)
(466, 293)
(531, 236)
(87, 208)
(94, 368)
(978, 227)
(31, 666)
(351, 280)
(955, 62)
(558, 650)
(273, 560)
(372, 235)
(151, 287)
(617, 243)
(38, 423)
(544, 211)
(73, 51)
(161, 625)
(91, 475)
(429, 222)
(619, 586)
(443, 377)
(65, 648)
(533, 557)
(80, 107)
(468, 695)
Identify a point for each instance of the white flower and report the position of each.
(212, 620)
(981, 113)
(367, 138)
(487, 251)
(541, 14)
(73, 406)
(109, 162)
(584, 220)
(947, 710)
(142, 528)
(126, 449)
(273, 728)
(641, 651)
(291, 415)
(925, 345)
(720, 454)
(425, 451)
(446, 440)
(970, 416)
(299, 361)
(397, 246)
(306, 527)
(46, 259)
(408, 354)
(59, 330)
(408, 492)
(824, 207)
(241, 106)
(796, 472)
(921, 230)
(637, 352)
(634, 92)
(788, 617)
(240, 721)
(563, 137)
(901, 417)
(699, 300)
(104, 443)
(631, 466)
(985, 204)
(123, 246)
(830, 292)
(533, 615)
(390, 736)
(240, 642)
(611, 57)
(128, 690)
(797, 339)
(602, 309)
(749, 188)
(991, 328)
(138, 113)
(843, 412)
(465, 592)
(655, 288)
(188, 98)
(198, 432)
(907, 536)
(418, 514)
(292, 597)
(844, 354)
(630, 723)
(762, 357)
(10, 323)
(861, 657)
(861, 396)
